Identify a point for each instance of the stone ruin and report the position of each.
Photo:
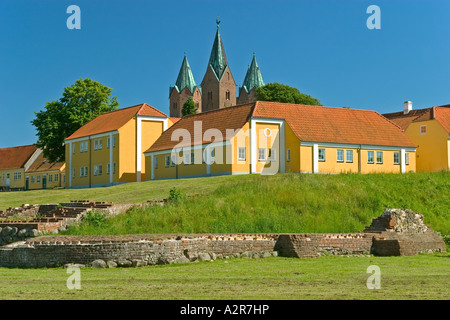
(400, 232)
(396, 232)
(27, 221)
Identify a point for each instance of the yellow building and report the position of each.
(109, 149)
(43, 174)
(14, 162)
(429, 129)
(269, 137)
(25, 168)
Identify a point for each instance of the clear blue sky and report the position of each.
(136, 47)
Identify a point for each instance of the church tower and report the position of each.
(184, 88)
(253, 79)
(218, 85)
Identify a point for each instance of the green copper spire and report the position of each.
(185, 77)
(218, 59)
(253, 78)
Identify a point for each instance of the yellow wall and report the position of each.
(50, 184)
(263, 142)
(306, 159)
(433, 147)
(20, 183)
(292, 142)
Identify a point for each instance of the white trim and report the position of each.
(138, 148)
(253, 147)
(356, 146)
(70, 164)
(403, 160)
(110, 157)
(94, 136)
(315, 158)
(191, 147)
(33, 158)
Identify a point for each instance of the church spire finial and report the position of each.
(218, 22)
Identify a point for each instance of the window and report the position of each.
(50, 178)
(56, 177)
(73, 172)
(272, 154)
(369, 156)
(108, 168)
(73, 148)
(85, 146)
(349, 155)
(172, 160)
(32, 179)
(81, 146)
(38, 179)
(95, 170)
(288, 155)
(100, 144)
(167, 161)
(407, 158)
(192, 157)
(340, 155)
(321, 154)
(209, 95)
(95, 145)
(187, 158)
(81, 171)
(423, 129)
(155, 164)
(100, 169)
(396, 157)
(262, 154)
(379, 157)
(114, 141)
(85, 171)
(114, 167)
(241, 153)
(17, 175)
(227, 95)
(108, 142)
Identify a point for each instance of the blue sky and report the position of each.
(323, 48)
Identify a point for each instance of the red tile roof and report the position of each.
(222, 119)
(441, 114)
(309, 123)
(115, 120)
(16, 157)
(42, 164)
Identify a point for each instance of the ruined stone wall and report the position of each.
(128, 250)
(311, 245)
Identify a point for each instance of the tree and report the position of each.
(79, 104)
(189, 107)
(283, 93)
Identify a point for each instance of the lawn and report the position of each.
(285, 203)
(334, 277)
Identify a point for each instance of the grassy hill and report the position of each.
(279, 203)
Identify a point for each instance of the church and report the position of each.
(218, 88)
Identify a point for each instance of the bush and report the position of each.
(175, 195)
(95, 218)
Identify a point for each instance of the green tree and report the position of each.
(283, 93)
(79, 104)
(189, 107)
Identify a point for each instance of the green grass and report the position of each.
(280, 203)
(333, 277)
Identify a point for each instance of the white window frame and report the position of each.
(407, 158)
(321, 154)
(95, 147)
(261, 154)
(340, 152)
(242, 152)
(423, 131)
(380, 153)
(368, 157)
(272, 154)
(167, 161)
(397, 156)
(349, 156)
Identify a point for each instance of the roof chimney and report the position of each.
(407, 107)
